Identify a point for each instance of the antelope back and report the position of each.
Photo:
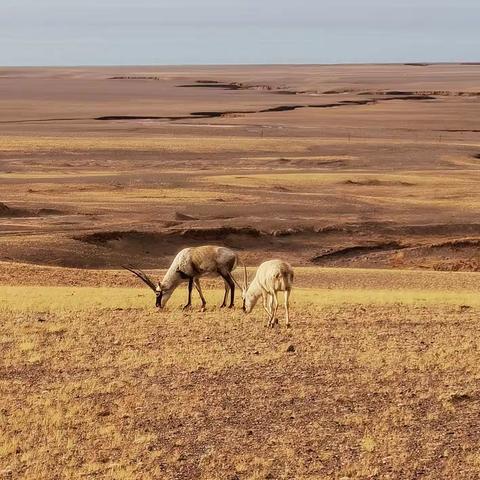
(211, 259)
(275, 275)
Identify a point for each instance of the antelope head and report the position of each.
(156, 287)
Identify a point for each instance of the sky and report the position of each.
(178, 32)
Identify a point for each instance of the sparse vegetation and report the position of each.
(94, 381)
(378, 179)
(378, 376)
(155, 144)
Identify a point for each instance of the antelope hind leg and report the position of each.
(196, 282)
(189, 301)
(225, 295)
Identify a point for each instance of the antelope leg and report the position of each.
(190, 287)
(228, 280)
(232, 291)
(275, 307)
(196, 282)
(265, 303)
(270, 306)
(287, 313)
(225, 295)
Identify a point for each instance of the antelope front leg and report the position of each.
(190, 287)
(275, 302)
(265, 299)
(275, 308)
(271, 310)
(287, 313)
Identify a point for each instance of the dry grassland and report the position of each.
(382, 383)
(200, 144)
(370, 167)
(420, 178)
(166, 144)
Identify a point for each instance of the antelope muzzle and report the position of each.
(158, 301)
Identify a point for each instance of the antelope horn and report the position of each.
(236, 282)
(245, 276)
(142, 276)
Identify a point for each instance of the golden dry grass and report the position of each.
(399, 190)
(421, 179)
(164, 143)
(129, 195)
(55, 299)
(56, 174)
(95, 382)
(177, 144)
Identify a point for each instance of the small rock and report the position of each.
(7, 472)
(291, 348)
(460, 397)
(40, 319)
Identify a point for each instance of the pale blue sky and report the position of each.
(144, 32)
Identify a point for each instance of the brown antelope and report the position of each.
(272, 276)
(188, 266)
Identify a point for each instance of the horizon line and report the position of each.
(115, 65)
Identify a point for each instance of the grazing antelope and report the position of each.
(272, 276)
(188, 266)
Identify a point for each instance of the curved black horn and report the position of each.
(142, 276)
(235, 281)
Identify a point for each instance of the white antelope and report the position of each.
(272, 276)
(188, 266)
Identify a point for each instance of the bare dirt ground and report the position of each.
(370, 167)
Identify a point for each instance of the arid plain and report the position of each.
(366, 178)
